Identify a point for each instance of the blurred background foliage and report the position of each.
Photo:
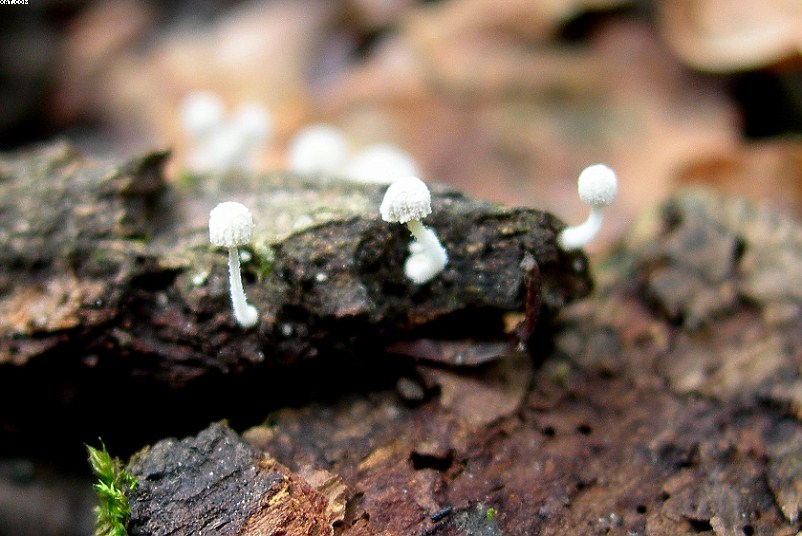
(507, 99)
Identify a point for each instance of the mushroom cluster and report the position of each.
(322, 149)
(218, 143)
(407, 201)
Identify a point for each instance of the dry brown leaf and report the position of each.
(723, 36)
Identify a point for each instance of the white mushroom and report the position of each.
(597, 186)
(254, 121)
(380, 163)
(201, 113)
(408, 201)
(231, 225)
(221, 144)
(318, 149)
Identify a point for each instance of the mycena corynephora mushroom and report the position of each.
(231, 225)
(220, 143)
(408, 201)
(201, 113)
(597, 186)
(380, 163)
(318, 149)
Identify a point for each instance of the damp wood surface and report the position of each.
(108, 284)
(109, 259)
(650, 409)
(667, 401)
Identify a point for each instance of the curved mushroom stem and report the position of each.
(579, 235)
(429, 258)
(425, 237)
(247, 316)
(533, 281)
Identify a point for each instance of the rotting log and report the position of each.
(110, 262)
(669, 404)
(109, 287)
(666, 403)
(216, 484)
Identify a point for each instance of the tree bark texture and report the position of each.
(109, 287)
(668, 403)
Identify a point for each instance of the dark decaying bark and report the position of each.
(109, 287)
(108, 260)
(667, 402)
(216, 484)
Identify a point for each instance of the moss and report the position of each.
(265, 257)
(112, 511)
(186, 179)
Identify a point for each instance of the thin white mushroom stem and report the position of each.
(230, 226)
(577, 236)
(245, 313)
(424, 236)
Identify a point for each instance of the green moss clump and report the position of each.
(112, 511)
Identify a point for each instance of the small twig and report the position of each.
(532, 305)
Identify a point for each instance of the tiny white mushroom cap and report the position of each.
(406, 199)
(597, 185)
(319, 148)
(380, 163)
(254, 121)
(201, 112)
(226, 149)
(230, 225)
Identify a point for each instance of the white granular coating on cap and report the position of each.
(230, 225)
(406, 199)
(597, 185)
